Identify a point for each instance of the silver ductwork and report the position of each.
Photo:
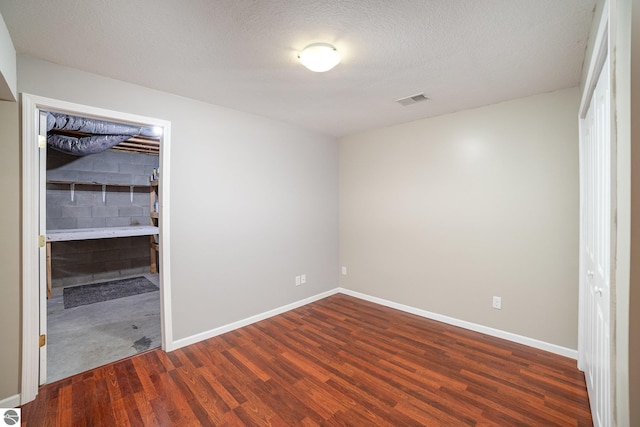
(102, 134)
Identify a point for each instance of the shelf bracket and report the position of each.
(104, 193)
(72, 190)
(131, 192)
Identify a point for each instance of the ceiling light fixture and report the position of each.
(319, 57)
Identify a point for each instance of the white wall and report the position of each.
(253, 201)
(443, 213)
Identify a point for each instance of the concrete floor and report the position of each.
(85, 337)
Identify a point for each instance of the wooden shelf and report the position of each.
(100, 233)
(152, 230)
(72, 234)
(108, 184)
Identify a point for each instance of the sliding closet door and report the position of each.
(596, 248)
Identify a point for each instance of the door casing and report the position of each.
(31, 212)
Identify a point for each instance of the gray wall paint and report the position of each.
(7, 65)
(9, 250)
(442, 214)
(254, 201)
(595, 22)
(139, 100)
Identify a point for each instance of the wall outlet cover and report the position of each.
(497, 302)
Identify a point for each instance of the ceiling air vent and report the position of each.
(409, 100)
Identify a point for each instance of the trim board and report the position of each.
(32, 255)
(10, 402)
(531, 342)
(249, 320)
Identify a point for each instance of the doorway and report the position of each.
(34, 247)
(103, 300)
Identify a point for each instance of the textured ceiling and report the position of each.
(242, 53)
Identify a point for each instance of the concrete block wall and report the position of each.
(88, 261)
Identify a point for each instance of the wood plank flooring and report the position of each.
(339, 361)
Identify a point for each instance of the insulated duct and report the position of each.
(84, 145)
(102, 134)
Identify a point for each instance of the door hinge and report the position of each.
(43, 340)
(42, 141)
(41, 240)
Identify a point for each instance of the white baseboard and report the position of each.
(531, 342)
(249, 320)
(10, 402)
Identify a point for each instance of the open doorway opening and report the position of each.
(102, 241)
(35, 272)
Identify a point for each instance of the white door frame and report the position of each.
(31, 105)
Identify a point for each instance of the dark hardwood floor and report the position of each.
(338, 361)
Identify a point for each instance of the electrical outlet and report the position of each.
(344, 270)
(497, 302)
(303, 279)
(298, 280)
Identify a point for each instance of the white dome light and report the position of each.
(319, 57)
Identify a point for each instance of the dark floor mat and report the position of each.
(75, 296)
